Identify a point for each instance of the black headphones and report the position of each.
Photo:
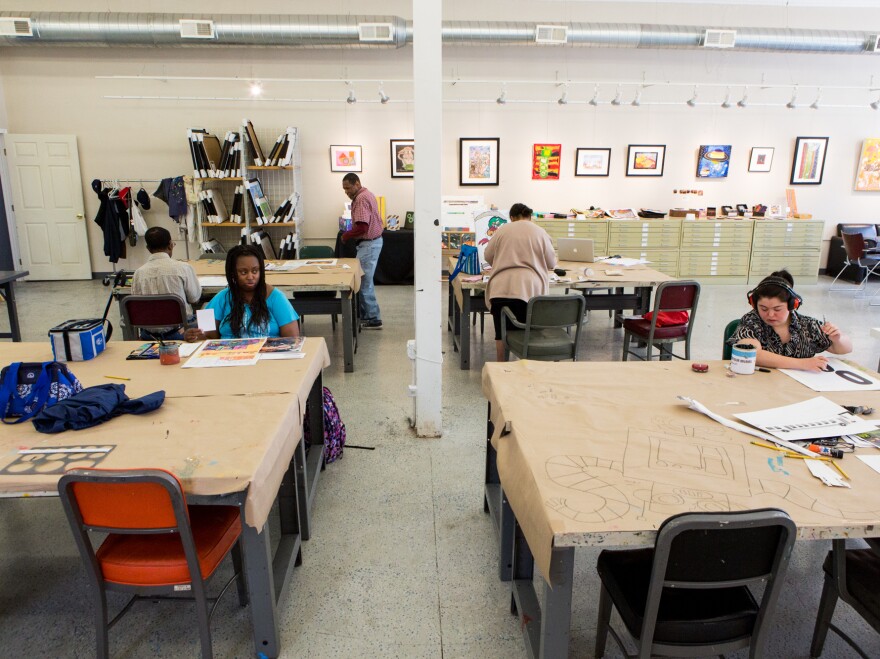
(794, 300)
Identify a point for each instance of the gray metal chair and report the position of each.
(689, 594)
(681, 295)
(316, 252)
(852, 575)
(153, 313)
(157, 546)
(546, 333)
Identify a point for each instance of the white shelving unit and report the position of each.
(278, 183)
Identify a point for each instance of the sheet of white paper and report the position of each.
(825, 473)
(873, 461)
(186, 349)
(205, 320)
(697, 406)
(281, 355)
(809, 419)
(841, 377)
(211, 281)
(625, 261)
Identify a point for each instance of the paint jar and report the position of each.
(742, 358)
(169, 354)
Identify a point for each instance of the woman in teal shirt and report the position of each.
(248, 307)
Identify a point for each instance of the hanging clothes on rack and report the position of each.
(112, 217)
(172, 192)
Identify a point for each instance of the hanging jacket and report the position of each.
(112, 217)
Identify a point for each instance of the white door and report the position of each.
(48, 205)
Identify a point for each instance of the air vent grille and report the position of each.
(16, 27)
(197, 29)
(376, 32)
(719, 39)
(551, 34)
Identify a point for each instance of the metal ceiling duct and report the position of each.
(302, 31)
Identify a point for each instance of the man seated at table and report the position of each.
(163, 275)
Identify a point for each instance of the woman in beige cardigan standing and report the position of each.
(521, 255)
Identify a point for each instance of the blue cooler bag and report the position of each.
(79, 340)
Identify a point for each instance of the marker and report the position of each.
(117, 377)
(762, 369)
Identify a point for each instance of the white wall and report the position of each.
(146, 138)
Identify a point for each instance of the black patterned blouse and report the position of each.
(807, 338)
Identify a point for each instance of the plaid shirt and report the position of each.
(807, 338)
(365, 210)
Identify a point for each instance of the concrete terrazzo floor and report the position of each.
(402, 559)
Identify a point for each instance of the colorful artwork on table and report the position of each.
(714, 161)
(545, 162)
(485, 226)
(868, 173)
(809, 160)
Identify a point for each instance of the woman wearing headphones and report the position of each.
(784, 338)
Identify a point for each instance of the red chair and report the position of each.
(153, 313)
(157, 545)
(670, 296)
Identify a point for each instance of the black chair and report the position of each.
(689, 594)
(316, 252)
(546, 334)
(858, 253)
(852, 575)
(679, 295)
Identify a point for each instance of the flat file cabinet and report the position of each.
(718, 249)
(791, 244)
(597, 229)
(654, 240)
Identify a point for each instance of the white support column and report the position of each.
(428, 117)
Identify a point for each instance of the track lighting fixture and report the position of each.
(383, 97)
(501, 100)
(792, 104)
(815, 104)
(563, 100)
(726, 102)
(256, 88)
(637, 101)
(875, 105)
(616, 99)
(692, 101)
(595, 100)
(351, 97)
(744, 101)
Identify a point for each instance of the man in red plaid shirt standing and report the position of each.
(366, 231)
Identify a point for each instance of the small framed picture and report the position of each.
(478, 160)
(403, 158)
(592, 162)
(761, 158)
(345, 158)
(809, 160)
(645, 159)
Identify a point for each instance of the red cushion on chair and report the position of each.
(642, 327)
(158, 559)
(668, 318)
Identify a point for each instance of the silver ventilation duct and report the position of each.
(136, 29)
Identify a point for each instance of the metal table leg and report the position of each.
(495, 503)
(12, 310)
(546, 625)
(348, 333)
(464, 329)
(308, 468)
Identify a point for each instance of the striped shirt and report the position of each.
(365, 210)
(807, 338)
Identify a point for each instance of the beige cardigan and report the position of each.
(521, 255)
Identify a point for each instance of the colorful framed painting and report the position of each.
(809, 160)
(645, 159)
(545, 162)
(713, 161)
(592, 162)
(478, 160)
(345, 158)
(761, 158)
(403, 158)
(868, 173)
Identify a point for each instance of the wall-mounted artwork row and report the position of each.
(713, 161)
(645, 159)
(809, 160)
(592, 162)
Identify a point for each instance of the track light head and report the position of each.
(501, 100)
(595, 100)
(351, 97)
(616, 99)
(692, 101)
(637, 101)
(563, 100)
(383, 97)
(792, 104)
(875, 105)
(256, 88)
(744, 101)
(726, 102)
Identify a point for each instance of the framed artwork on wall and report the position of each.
(478, 160)
(403, 158)
(761, 158)
(868, 173)
(545, 162)
(592, 162)
(713, 161)
(645, 159)
(345, 158)
(809, 160)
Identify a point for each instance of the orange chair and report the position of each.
(157, 545)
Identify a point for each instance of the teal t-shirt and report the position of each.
(280, 313)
